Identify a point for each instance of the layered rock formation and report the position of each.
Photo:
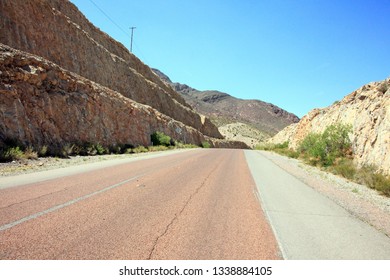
(367, 110)
(44, 104)
(57, 31)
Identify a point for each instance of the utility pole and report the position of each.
(131, 43)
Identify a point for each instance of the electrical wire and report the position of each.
(120, 28)
(107, 16)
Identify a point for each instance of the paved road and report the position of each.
(307, 224)
(199, 204)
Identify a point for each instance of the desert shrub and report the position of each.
(205, 145)
(181, 145)
(280, 148)
(140, 149)
(288, 152)
(88, 149)
(283, 145)
(344, 167)
(42, 151)
(323, 149)
(11, 153)
(157, 148)
(313, 148)
(367, 176)
(336, 138)
(161, 139)
(100, 149)
(381, 183)
(29, 153)
(119, 148)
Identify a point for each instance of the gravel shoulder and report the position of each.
(364, 203)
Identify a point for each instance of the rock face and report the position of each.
(44, 104)
(250, 121)
(57, 31)
(367, 110)
(243, 133)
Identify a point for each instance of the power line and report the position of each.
(107, 16)
(120, 28)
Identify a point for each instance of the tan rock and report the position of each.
(44, 104)
(59, 32)
(367, 110)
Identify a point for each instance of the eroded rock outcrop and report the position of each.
(44, 104)
(57, 31)
(367, 110)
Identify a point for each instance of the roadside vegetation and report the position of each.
(332, 151)
(12, 150)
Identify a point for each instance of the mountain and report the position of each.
(250, 121)
(53, 39)
(367, 109)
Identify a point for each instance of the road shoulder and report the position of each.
(314, 219)
(366, 204)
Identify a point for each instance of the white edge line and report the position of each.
(68, 203)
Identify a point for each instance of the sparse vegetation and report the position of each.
(140, 149)
(12, 150)
(332, 151)
(161, 139)
(282, 149)
(323, 149)
(11, 153)
(205, 145)
(367, 176)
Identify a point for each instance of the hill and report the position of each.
(262, 120)
(367, 110)
(42, 39)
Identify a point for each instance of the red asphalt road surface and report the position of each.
(199, 204)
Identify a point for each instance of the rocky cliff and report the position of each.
(57, 31)
(44, 104)
(367, 110)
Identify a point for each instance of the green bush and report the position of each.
(283, 145)
(323, 149)
(11, 153)
(160, 139)
(140, 149)
(157, 148)
(100, 149)
(367, 176)
(205, 145)
(344, 167)
(181, 145)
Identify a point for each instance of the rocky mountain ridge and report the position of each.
(43, 104)
(367, 109)
(65, 81)
(56, 30)
(250, 121)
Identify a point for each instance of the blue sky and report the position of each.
(296, 54)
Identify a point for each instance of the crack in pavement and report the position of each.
(180, 212)
(73, 201)
(10, 205)
(66, 204)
